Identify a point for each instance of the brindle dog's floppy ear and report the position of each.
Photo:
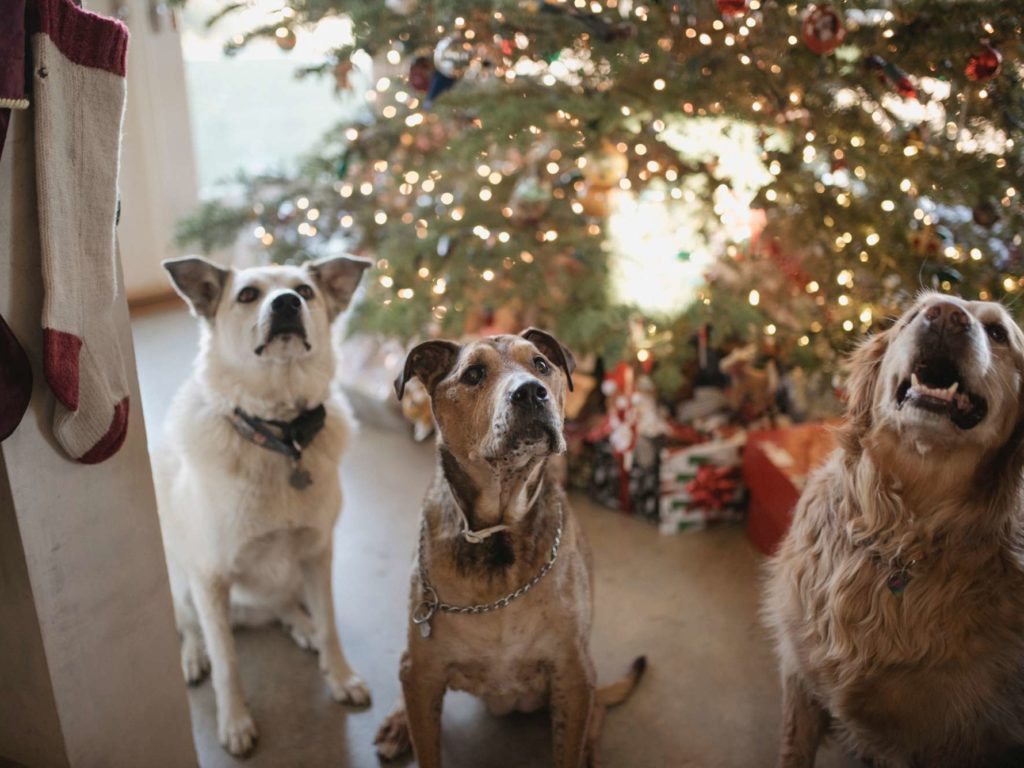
(338, 277)
(553, 351)
(429, 362)
(199, 281)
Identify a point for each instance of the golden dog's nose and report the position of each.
(946, 316)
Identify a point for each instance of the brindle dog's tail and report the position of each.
(617, 692)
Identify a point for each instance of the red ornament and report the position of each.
(732, 7)
(984, 64)
(421, 72)
(822, 29)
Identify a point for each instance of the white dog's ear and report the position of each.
(338, 277)
(199, 281)
(553, 350)
(429, 362)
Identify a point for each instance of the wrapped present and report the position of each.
(701, 484)
(776, 464)
(679, 464)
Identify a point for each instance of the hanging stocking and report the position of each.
(78, 96)
(12, 63)
(15, 381)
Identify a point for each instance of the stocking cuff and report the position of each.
(83, 37)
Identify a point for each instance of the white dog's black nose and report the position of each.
(946, 317)
(532, 394)
(286, 304)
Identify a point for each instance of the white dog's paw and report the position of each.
(238, 733)
(392, 738)
(350, 690)
(195, 664)
(300, 627)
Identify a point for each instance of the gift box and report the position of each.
(701, 484)
(776, 465)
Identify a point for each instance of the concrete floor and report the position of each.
(710, 698)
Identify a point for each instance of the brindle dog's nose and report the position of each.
(532, 394)
(946, 317)
(286, 304)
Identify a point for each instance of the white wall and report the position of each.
(158, 172)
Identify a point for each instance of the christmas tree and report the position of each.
(626, 173)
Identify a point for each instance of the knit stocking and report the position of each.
(79, 92)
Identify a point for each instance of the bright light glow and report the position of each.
(754, 298)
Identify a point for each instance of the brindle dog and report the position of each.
(495, 520)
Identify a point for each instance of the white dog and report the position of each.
(247, 482)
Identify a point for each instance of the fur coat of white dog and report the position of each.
(247, 479)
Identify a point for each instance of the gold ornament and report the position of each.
(605, 168)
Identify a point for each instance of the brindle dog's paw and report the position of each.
(352, 691)
(195, 664)
(238, 734)
(392, 738)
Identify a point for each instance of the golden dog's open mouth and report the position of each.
(936, 385)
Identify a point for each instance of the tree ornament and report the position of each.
(285, 38)
(401, 7)
(891, 75)
(342, 72)
(985, 214)
(421, 73)
(822, 29)
(984, 64)
(596, 201)
(530, 199)
(732, 7)
(605, 168)
(452, 56)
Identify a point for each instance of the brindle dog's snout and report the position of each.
(531, 396)
(946, 319)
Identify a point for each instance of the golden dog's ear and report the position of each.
(864, 364)
(553, 350)
(429, 362)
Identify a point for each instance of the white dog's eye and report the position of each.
(541, 364)
(248, 295)
(305, 291)
(997, 332)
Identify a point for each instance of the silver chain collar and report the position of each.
(432, 603)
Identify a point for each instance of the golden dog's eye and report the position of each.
(541, 364)
(248, 295)
(997, 332)
(473, 375)
(305, 291)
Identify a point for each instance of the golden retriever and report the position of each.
(897, 598)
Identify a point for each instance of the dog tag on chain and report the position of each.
(300, 478)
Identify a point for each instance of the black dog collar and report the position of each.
(288, 438)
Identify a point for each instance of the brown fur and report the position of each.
(934, 676)
(535, 652)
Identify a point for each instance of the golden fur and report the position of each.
(933, 676)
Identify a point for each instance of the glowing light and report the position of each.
(487, 275)
(643, 355)
(754, 298)
(386, 281)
